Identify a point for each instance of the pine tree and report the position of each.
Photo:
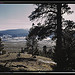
(1, 45)
(32, 42)
(52, 15)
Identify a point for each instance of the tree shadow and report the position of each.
(19, 60)
(4, 69)
(19, 66)
(26, 59)
(7, 69)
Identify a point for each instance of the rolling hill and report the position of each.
(15, 32)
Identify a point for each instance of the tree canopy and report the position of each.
(52, 14)
(48, 13)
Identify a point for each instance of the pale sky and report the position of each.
(15, 16)
(70, 16)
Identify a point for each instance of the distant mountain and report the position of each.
(15, 32)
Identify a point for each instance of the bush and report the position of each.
(3, 52)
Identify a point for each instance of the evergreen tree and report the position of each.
(52, 15)
(68, 45)
(1, 45)
(32, 42)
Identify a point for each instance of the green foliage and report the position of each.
(51, 24)
(47, 13)
(1, 45)
(3, 52)
(69, 49)
(32, 43)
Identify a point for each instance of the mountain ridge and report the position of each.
(15, 32)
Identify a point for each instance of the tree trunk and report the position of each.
(59, 53)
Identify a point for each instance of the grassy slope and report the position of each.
(25, 62)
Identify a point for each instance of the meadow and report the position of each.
(25, 62)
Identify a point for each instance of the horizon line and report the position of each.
(14, 29)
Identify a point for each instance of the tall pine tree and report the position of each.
(52, 15)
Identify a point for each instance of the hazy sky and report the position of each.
(70, 16)
(15, 16)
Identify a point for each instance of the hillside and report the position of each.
(25, 63)
(15, 32)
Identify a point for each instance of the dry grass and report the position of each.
(27, 64)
